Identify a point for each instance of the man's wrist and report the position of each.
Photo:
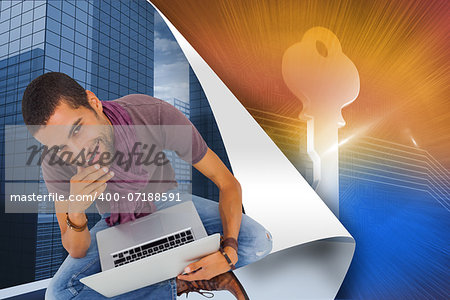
(232, 254)
(78, 218)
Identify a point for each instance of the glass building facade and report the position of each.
(203, 119)
(107, 47)
(22, 40)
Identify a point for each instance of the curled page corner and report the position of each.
(312, 250)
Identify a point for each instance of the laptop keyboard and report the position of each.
(152, 248)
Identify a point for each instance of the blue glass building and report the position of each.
(203, 119)
(107, 47)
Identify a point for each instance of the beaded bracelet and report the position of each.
(75, 227)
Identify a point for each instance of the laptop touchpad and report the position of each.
(147, 230)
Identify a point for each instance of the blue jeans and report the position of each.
(255, 242)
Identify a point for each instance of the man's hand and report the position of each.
(86, 186)
(209, 266)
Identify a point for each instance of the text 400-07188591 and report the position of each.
(140, 197)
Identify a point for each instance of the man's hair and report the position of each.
(45, 93)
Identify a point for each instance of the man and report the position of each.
(54, 100)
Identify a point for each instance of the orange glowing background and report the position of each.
(400, 49)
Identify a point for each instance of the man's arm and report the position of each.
(230, 196)
(88, 181)
(230, 207)
(76, 243)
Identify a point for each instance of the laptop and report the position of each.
(150, 249)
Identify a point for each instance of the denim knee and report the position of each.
(263, 242)
(58, 289)
(255, 242)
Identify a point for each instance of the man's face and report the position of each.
(76, 130)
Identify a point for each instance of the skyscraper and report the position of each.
(203, 119)
(107, 47)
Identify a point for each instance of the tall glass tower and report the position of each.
(107, 47)
(203, 119)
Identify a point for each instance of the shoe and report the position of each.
(226, 281)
